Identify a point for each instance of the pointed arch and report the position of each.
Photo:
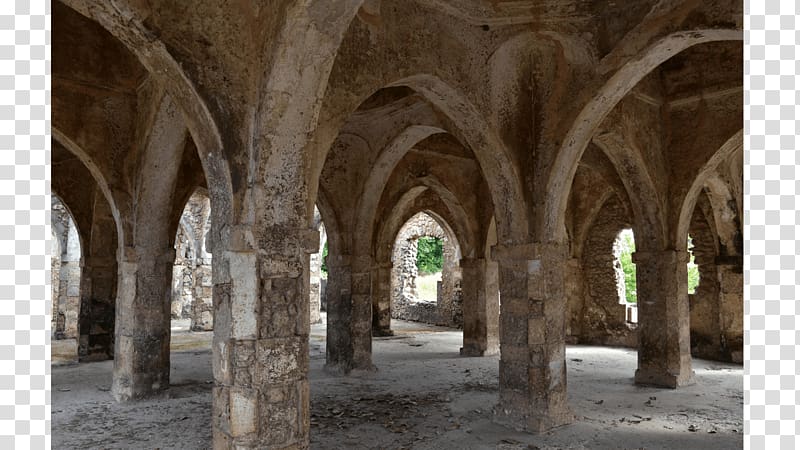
(639, 186)
(732, 145)
(595, 111)
(494, 158)
(124, 23)
(98, 176)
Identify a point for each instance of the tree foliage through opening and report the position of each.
(429, 255)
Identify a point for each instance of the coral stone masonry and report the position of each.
(243, 172)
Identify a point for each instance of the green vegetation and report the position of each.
(691, 268)
(429, 255)
(628, 246)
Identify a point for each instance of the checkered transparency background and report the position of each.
(24, 222)
(771, 99)
(772, 95)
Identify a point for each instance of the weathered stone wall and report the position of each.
(202, 313)
(69, 298)
(191, 272)
(315, 288)
(716, 306)
(99, 286)
(406, 305)
(182, 292)
(731, 283)
(704, 303)
(55, 272)
(601, 319)
(67, 281)
(191, 280)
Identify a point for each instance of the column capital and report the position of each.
(645, 256)
(309, 239)
(133, 254)
(242, 238)
(98, 261)
(471, 263)
(529, 251)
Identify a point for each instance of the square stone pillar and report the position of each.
(573, 290)
(662, 299)
(481, 312)
(202, 318)
(260, 349)
(69, 298)
(141, 347)
(533, 370)
(731, 306)
(315, 275)
(96, 318)
(349, 311)
(382, 300)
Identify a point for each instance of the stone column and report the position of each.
(573, 290)
(314, 294)
(202, 303)
(533, 371)
(55, 284)
(665, 357)
(260, 348)
(349, 307)
(731, 306)
(481, 312)
(141, 363)
(449, 293)
(176, 304)
(96, 318)
(382, 299)
(69, 299)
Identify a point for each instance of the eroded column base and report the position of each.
(131, 381)
(513, 412)
(341, 369)
(139, 387)
(660, 378)
(474, 350)
(382, 332)
(273, 417)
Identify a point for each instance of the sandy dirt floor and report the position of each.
(424, 396)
